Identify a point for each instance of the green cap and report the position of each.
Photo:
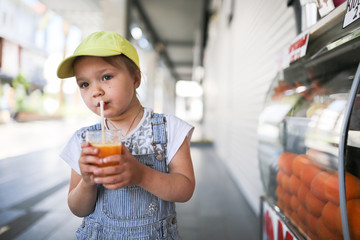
(99, 44)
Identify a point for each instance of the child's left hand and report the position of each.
(127, 172)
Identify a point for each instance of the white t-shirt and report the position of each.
(138, 141)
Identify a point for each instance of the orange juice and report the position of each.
(106, 150)
(108, 142)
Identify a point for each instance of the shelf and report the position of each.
(354, 139)
(322, 146)
(328, 22)
(327, 30)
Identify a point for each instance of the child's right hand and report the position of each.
(88, 162)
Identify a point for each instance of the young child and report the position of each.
(134, 199)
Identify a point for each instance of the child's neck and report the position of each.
(128, 123)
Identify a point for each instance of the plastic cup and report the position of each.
(108, 144)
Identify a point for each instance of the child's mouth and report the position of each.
(105, 104)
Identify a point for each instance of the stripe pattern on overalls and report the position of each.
(132, 212)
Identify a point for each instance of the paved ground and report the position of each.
(34, 183)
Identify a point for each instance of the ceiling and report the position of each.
(174, 27)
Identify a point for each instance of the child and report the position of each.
(135, 198)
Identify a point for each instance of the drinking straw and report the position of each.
(102, 120)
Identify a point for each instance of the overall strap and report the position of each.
(94, 127)
(158, 124)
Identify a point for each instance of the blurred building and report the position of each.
(30, 37)
(233, 52)
(245, 39)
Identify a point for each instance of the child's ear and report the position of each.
(137, 79)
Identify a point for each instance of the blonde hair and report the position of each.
(118, 60)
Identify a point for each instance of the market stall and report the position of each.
(309, 135)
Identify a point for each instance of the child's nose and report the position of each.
(97, 91)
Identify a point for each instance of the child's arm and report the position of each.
(83, 191)
(176, 186)
(179, 184)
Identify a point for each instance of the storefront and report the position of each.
(309, 134)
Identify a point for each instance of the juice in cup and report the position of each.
(108, 142)
(106, 150)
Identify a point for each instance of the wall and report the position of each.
(240, 63)
(157, 89)
(18, 28)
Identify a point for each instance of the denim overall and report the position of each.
(132, 212)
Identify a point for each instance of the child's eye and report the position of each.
(83, 85)
(107, 77)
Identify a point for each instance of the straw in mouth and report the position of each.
(102, 120)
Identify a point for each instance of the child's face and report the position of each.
(99, 80)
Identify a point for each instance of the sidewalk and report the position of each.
(21, 138)
(33, 191)
(217, 209)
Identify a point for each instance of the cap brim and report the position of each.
(66, 68)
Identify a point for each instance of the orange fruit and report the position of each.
(285, 162)
(329, 216)
(294, 184)
(338, 221)
(302, 212)
(308, 173)
(312, 236)
(280, 203)
(353, 212)
(279, 176)
(279, 192)
(318, 185)
(287, 211)
(287, 199)
(314, 205)
(299, 163)
(324, 233)
(285, 183)
(294, 203)
(302, 192)
(295, 218)
(311, 221)
(302, 227)
(332, 189)
(352, 187)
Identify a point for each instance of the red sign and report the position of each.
(298, 47)
(274, 228)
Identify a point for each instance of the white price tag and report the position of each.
(352, 12)
(298, 46)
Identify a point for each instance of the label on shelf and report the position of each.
(325, 7)
(273, 226)
(298, 47)
(352, 12)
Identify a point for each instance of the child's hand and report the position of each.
(87, 162)
(127, 172)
